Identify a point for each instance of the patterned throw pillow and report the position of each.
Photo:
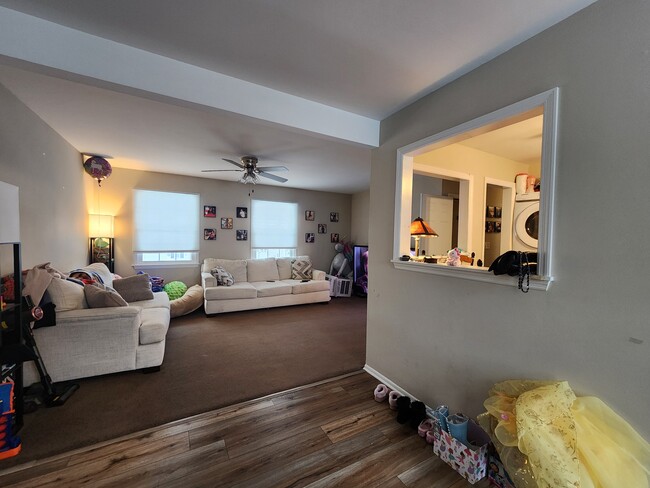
(301, 269)
(223, 277)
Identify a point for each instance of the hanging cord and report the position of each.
(524, 272)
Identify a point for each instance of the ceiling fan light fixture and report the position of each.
(249, 178)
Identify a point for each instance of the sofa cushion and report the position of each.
(223, 277)
(262, 270)
(134, 288)
(160, 300)
(301, 269)
(284, 267)
(100, 296)
(66, 295)
(272, 289)
(155, 322)
(238, 290)
(297, 287)
(236, 267)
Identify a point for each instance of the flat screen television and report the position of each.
(360, 265)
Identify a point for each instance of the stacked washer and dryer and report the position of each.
(525, 226)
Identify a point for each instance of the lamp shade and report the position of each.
(420, 228)
(100, 225)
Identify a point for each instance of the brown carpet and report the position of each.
(210, 362)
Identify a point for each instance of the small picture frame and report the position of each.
(310, 215)
(210, 234)
(209, 211)
(309, 237)
(489, 212)
(322, 228)
(497, 212)
(242, 235)
(489, 227)
(242, 212)
(226, 222)
(497, 227)
(334, 216)
(334, 238)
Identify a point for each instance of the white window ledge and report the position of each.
(165, 265)
(471, 273)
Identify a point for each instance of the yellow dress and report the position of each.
(566, 441)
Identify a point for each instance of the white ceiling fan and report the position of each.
(251, 171)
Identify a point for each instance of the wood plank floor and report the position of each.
(328, 434)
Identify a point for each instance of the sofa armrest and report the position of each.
(97, 314)
(208, 280)
(318, 275)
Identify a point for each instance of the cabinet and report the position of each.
(11, 331)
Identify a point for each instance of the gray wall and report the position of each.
(463, 336)
(53, 190)
(360, 217)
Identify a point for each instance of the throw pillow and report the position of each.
(134, 288)
(175, 289)
(301, 269)
(100, 296)
(66, 294)
(224, 278)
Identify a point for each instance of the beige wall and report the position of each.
(592, 327)
(360, 217)
(117, 199)
(53, 189)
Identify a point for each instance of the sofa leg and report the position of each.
(153, 369)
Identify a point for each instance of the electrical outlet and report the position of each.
(487, 244)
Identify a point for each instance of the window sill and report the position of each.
(165, 265)
(471, 273)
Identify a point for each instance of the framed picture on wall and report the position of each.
(226, 222)
(242, 212)
(242, 235)
(334, 238)
(309, 237)
(322, 228)
(310, 215)
(334, 216)
(209, 211)
(210, 234)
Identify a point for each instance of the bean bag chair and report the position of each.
(190, 301)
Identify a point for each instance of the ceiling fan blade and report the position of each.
(215, 170)
(272, 177)
(239, 165)
(272, 168)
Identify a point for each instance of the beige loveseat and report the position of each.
(94, 341)
(260, 283)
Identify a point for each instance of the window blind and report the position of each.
(165, 222)
(274, 224)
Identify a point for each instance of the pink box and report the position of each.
(470, 463)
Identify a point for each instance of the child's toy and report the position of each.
(453, 257)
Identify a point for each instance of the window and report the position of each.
(431, 157)
(166, 228)
(274, 229)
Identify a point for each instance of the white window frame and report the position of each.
(549, 100)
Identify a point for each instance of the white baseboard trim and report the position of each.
(389, 383)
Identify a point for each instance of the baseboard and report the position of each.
(389, 383)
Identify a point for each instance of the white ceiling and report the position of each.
(291, 60)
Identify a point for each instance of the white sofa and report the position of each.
(259, 283)
(94, 341)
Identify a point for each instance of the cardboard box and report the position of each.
(471, 464)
